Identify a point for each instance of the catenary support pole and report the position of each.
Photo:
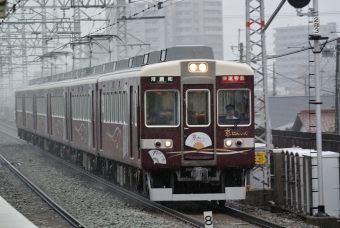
(316, 37)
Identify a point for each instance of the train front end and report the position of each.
(197, 129)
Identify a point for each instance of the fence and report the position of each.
(286, 139)
(295, 180)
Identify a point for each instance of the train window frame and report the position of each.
(41, 105)
(29, 105)
(115, 117)
(112, 105)
(19, 104)
(125, 107)
(178, 109)
(209, 108)
(234, 122)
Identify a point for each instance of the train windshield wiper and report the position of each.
(238, 120)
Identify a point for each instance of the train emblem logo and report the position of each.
(58, 126)
(157, 157)
(229, 133)
(41, 123)
(198, 140)
(82, 131)
(117, 139)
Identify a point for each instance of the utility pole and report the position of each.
(239, 46)
(337, 87)
(274, 81)
(241, 52)
(317, 50)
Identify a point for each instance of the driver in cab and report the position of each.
(230, 112)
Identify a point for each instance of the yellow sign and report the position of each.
(260, 158)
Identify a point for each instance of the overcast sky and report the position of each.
(234, 19)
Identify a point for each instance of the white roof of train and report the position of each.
(69, 82)
(170, 68)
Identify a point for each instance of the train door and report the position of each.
(198, 122)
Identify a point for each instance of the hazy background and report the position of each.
(234, 19)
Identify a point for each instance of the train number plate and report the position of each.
(260, 158)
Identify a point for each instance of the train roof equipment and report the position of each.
(165, 55)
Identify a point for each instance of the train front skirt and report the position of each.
(165, 194)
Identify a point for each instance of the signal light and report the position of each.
(298, 3)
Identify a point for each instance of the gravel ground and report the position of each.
(91, 203)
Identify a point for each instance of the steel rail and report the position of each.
(251, 218)
(244, 216)
(184, 218)
(175, 214)
(62, 212)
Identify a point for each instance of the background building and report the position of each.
(196, 22)
(292, 71)
(191, 22)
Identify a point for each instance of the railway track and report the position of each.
(245, 216)
(58, 209)
(166, 210)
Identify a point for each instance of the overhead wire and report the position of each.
(130, 16)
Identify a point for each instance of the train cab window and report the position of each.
(198, 103)
(234, 107)
(161, 108)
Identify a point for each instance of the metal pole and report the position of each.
(316, 33)
(337, 87)
(274, 81)
(265, 82)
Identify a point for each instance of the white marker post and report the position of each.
(208, 219)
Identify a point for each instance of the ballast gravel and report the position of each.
(91, 203)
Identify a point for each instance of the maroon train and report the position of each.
(175, 124)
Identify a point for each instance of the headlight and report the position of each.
(192, 67)
(202, 67)
(228, 143)
(168, 144)
(198, 67)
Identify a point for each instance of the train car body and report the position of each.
(82, 112)
(176, 124)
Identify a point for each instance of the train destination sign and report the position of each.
(233, 78)
(162, 79)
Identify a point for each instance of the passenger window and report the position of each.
(234, 107)
(161, 108)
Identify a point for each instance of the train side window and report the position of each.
(104, 107)
(115, 107)
(162, 108)
(126, 102)
(111, 108)
(234, 107)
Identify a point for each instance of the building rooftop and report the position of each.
(304, 120)
(283, 109)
